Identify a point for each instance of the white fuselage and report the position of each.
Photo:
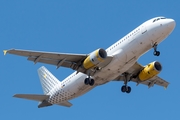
(125, 53)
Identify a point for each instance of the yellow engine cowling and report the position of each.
(94, 58)
(150, 71)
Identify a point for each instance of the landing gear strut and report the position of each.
(156, 53)
(125, 87)
(89, 81)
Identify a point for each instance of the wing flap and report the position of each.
(55, 62)
(156, 80)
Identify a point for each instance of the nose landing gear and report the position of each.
(156, 53)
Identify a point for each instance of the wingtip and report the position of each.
(4, 51)
(15, 95)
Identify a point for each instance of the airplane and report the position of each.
(116, 63)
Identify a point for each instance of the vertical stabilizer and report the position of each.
(48, 80)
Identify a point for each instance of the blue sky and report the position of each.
(81, 27)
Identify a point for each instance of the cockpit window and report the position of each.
(158, 19)
(163, 18)
(154, 20)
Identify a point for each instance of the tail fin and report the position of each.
(48, 80)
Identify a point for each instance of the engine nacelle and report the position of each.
(94, 58)
(150, 71)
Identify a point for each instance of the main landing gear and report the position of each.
(156, 53)
(89, 81)
(125, 87)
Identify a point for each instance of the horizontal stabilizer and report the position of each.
(65, 103)
(32, 97)
(44, 104)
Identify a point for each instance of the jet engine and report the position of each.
(94, 58)
(150, 71)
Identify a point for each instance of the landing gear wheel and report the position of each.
(128, 89)
(91, 83)
(123, 88)
(86, 81)
(156, 53)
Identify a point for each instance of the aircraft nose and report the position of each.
(171, 24)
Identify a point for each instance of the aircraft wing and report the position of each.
(68, 60)
(49, 57)
(135, 69)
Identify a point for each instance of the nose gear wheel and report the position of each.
(156, 53)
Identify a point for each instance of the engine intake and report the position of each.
(150, 71)
(95, 58)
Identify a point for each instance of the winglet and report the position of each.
(165, 87)
(4, 51)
